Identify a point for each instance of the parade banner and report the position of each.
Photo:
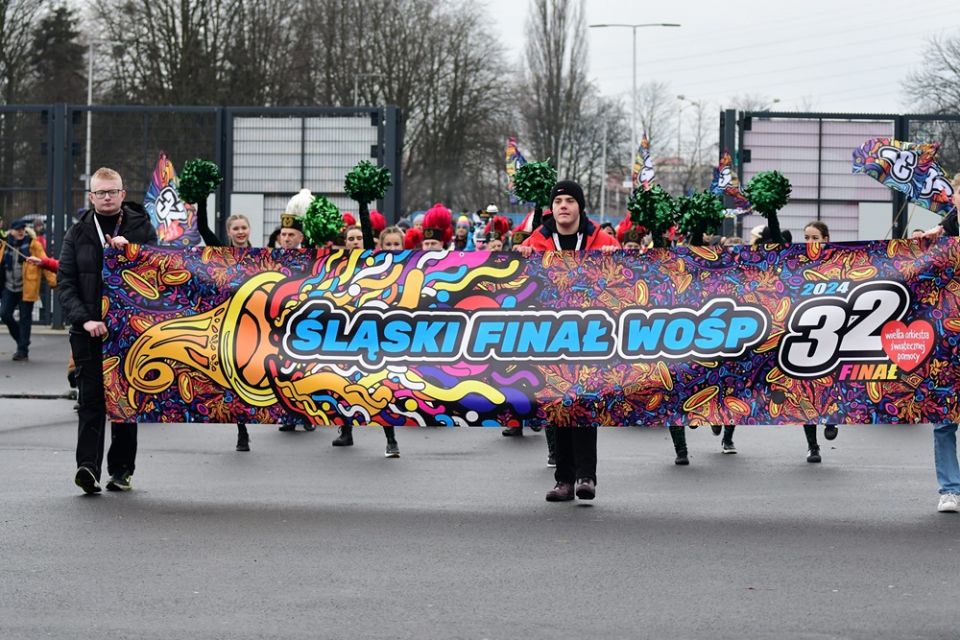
(175, 220)
(843, 333)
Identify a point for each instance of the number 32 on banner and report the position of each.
(824, 331)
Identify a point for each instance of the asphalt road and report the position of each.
(297, 539)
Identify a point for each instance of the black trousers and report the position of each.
(88, 356)
(576, 454)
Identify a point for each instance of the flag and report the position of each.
(908, 167)
(513, 160)
(937, 192)
(726, 183)
(175, 221)
(644, 172)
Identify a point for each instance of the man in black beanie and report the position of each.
(568, 228)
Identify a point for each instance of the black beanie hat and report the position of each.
(569, 188)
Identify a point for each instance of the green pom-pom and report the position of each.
(367, 182)
(198, 179)
(702, 212)
(768, 192)
(534, 181)
(322, 221)
(654, 209)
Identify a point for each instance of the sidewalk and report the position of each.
(44, 374)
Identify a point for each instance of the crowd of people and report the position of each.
(112, 221)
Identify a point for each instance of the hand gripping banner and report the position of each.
(844, 333)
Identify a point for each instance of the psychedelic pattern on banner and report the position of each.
(846, 333)
(175, 220)
(907, 167)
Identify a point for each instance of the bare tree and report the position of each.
(935, 87)
(18, 19)
(751, 102)
(464, 106)
(555, 75)
(16, 33)
(656, 115)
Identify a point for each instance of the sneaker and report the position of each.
(86, 481)
(586, 489)
(287, 427)
(562, 492)
(682, 460)
(552, 461)
(949, 503)
(512, 432)
(18, 356)
(309, 426)
(120, 482)
(393, 449)
(813, 455)
(717, 429)
(536, 428)
(345, 439)
(727, 447)
(243, 442)
(830, 432)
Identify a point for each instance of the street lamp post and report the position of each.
(634, 27)
(86, 165)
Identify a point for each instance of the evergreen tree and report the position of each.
(58, 59)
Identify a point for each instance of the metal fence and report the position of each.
(266, 155)
(814, 151)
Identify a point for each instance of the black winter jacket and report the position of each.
(80, 277)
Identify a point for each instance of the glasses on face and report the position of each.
(100, 195)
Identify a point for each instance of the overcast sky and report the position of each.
(825, 55)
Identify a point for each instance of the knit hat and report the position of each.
(572, 189)
(19, 224)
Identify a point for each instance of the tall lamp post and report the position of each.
(634, 27)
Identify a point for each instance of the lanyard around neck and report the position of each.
(103, 238)
(556, 241)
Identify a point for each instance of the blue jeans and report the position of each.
(945, 457)
(20, 331)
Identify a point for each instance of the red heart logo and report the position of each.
(907, 346)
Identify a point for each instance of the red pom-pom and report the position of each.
(413, 239)
(377, 221)
(499, 225)
(348, 219)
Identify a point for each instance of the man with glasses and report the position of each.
(109, 222)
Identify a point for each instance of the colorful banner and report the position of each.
(908, 167)
(726, 183)
(644, 173)
(175, 220)
(844, 333)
